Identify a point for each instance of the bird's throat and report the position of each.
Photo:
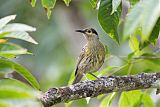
(93, 41)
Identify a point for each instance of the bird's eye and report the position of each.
(89, 31)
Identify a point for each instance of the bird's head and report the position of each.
(89, 33)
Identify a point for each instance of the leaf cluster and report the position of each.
(12, 90)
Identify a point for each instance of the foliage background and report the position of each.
(54, 58)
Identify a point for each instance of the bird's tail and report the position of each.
(78, 78)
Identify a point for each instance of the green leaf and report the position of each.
(33, 3)
(17, 27)
(144, 44)
(91, 77)
(21, 70)
(139, 16)
(134, 44)
(68, 104)
(109, 22)
(130, 56)
(8, 55)
(135, 99)
(20, 35)
(151, 57)
(106, 70)
(99, 97)
(130, 99)
(93, 3)
(48, 5)
(5, 68)
(115, 4)
(71, 78)
(9, 50)
(107, 101)
(3, 34)
(155, 61)
(5, 20)
(155, 33)
(151, 13)
(147, 101)
(133, 2)
(132, 20)
(11, 88)
(67, 2)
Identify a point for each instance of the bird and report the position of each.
(92, 56)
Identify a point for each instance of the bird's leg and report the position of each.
(93, 75)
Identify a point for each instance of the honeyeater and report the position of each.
(92, 55)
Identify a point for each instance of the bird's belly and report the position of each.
(94, 63)
(97, 64)
(93, 60)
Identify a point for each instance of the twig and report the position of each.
(102, 86)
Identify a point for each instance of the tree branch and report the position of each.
(103, 85)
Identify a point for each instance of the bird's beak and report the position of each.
(82, 31)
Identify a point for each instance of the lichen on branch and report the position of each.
(104, 85)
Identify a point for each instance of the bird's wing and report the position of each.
(80, 59)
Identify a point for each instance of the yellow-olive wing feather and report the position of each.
(81, 56)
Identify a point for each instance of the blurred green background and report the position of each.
(54, 58)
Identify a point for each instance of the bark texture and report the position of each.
(97, 87)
